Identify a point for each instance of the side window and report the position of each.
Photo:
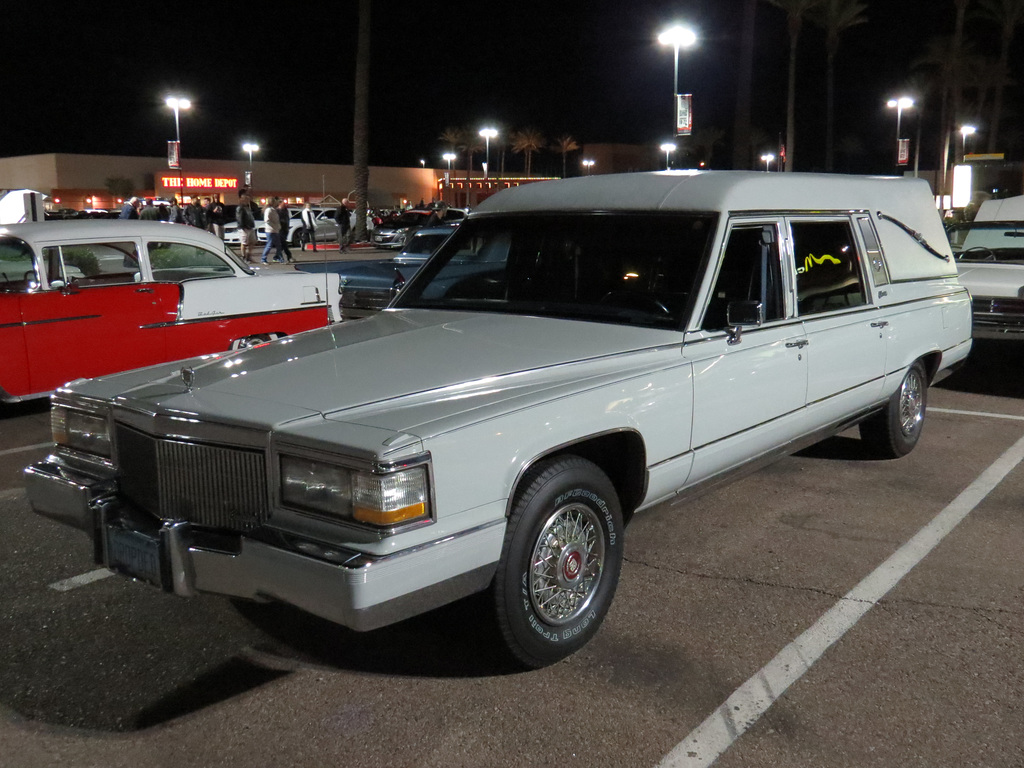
(828, 272)
(92, 264)
(879, 272)
(172, 262)
(751, 271)
(17, 269)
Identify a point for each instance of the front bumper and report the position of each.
(997, 317)
(353, 589)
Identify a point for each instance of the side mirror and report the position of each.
(740, 313)
(58, 284)
(744, 313)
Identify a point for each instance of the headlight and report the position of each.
(80, 430)
(381, 500)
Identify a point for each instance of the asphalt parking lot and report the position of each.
(829, 610)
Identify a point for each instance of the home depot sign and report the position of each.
(199, 182)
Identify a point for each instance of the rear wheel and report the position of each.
(894, 431)
(560, 561)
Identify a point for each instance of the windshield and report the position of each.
(988, 241)
(619, 268)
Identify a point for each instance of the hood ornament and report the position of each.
(188, 378)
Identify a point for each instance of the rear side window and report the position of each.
(828, 271)
(92, 264)
(173, 262)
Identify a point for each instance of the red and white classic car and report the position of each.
(86, 298)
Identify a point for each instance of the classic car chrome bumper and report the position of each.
(997, 317)
(350, 588)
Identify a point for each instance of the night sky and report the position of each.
(85, 78)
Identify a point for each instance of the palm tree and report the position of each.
(528, 141)
(565, 145)
(741, 132)
(796, 11)
(835, 17)
(361, 120)
(1009, 15)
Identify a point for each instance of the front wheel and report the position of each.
(560, 561)
(894, 431)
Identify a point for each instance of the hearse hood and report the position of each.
(364, 370)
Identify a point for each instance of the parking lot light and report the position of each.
(668, 148)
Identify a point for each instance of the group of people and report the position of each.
(208, 213)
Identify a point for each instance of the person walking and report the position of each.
(272, 227)
(175, 214)
(130, 209)
(308, 217)
(344, 225)
(149, 211)
(194, 214)
(285, 215)
(215, 216)
(247, 226)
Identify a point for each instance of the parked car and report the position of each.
(990, 261)
(395, 231)
(326, 228)
(368, 286)
(89, 298)
(576, 352)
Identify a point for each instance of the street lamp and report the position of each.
(488, 134)
(588, 164)
(965, 131)
(668, 147)
(250, 148)
(767, 160)
(423, 163)
(177, 103)
(678, 37)
(449, 156)
(903, 102)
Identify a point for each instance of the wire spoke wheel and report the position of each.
(911, 402)
(567, 564)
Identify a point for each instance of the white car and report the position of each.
(990, 260)
(326, 228)
(577, 351)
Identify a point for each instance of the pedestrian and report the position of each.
(247, 226)
(149, 211)
(216, 216)
(308, 217)
(194, 214)
(163, 212)
(285, 215)
(130, 209)
(175, 214)
(272, 227)
(344, 225)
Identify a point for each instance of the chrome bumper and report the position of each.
(353, 589)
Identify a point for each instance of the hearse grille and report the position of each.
(208, 485)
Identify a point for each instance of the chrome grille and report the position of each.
(210, 485)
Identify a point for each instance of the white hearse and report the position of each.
(578, 351)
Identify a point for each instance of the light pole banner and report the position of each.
(174, 155)
(903, 152)
(684, 114)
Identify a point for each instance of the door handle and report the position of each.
(143, 290)
(880, 324)
(797, 344)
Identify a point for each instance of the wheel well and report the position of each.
(621, 456)
(931, 364)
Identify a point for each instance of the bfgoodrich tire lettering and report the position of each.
(560, 561)
(894, 431)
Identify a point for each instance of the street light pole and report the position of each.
(250, 148)
(668, 147)
(903, 102)
(176, 103)
(767, 160)
(588, 164)
(678, 37)
(488, 134)
(965, 131)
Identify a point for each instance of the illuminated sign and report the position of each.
(199, 182)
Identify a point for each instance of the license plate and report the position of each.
(135, 554)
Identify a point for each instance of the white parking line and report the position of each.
(752, 699)
(986, 414)
(9, 451)
(81, 580)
